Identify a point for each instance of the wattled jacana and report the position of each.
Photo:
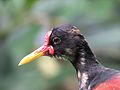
(66, 42)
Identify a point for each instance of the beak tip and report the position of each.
(19, 64)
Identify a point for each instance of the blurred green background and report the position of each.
(23, 24)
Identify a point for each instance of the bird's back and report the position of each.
(111, 84)
(108, 79)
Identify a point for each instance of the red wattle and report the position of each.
(47, 37)
(51, 50)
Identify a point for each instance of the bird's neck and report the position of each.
(86, 66)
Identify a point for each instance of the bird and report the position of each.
(65, 42)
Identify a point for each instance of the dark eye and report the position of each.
(56, 40)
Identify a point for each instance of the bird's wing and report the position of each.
(112, 84)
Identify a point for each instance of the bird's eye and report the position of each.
(56, 40)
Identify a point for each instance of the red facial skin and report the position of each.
(46, 46)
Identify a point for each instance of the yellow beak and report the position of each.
(32, 56)
(39, 52)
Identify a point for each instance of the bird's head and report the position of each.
(62, 42)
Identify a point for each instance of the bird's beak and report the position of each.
(38, 52)
(32, 56)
